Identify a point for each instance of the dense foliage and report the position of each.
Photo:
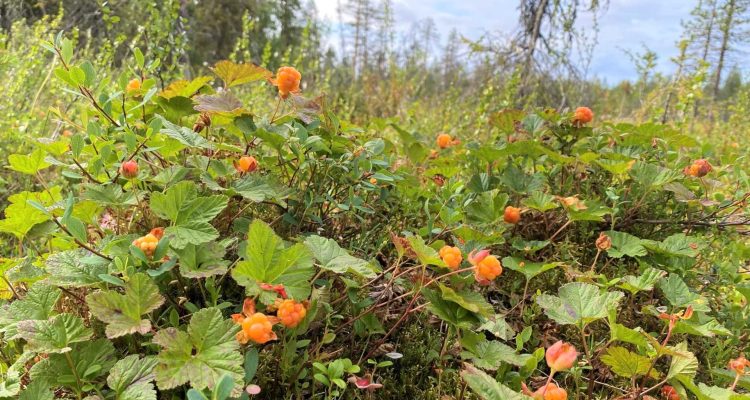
(181, 225)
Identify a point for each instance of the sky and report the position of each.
(626, 25)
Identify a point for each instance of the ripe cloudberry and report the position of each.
(451, 256)
(373, 181)
(669, 393)
(246, 164)
(134, 85)
(291, 313)
(512, 215)
(549, 391)
(147, 243)
(583, 115)
(258, 328)
(129, 169)
(287, 80)
(486, 267)
(561, 356)
(444, 140)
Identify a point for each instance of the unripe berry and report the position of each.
(129, 169)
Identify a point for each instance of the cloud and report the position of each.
(626, 25)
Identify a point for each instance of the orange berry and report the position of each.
(561, 356)
(444, 140)
(134, 85)
(512, 215)
(147, 243)
(487, 270)
(547, 392)
(246, 164)
(258, 328)
(67, 133)
(451, 256)
(129, 169)
(291, 313)
(373, 181)
(583, 115)
(287, 80)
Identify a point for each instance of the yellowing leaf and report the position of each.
(236, 74)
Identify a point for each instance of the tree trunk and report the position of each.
(726, 32)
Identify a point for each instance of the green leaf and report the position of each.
(652, 176)
(67, 269)
(268, 260)
(677, 245)
(195, 233)
(131, 378)
(38, 304)
(202, 261)
(540, 201)
(183, 88)
(237, 74)
(184, 135)
(529, 269)
(426, 254)
(627, 335)
(449, 311)
(28, 164)
(201, 209)
(625, 244)
(200, 356)
(168, 205)
(469, 300)
(578, 304)
(36, 391)
(487, 207)
(95, 357)
(490, 354)
(122, 312)
(626, 363)
(679, 295)
(487, 387)
(333, 258)
(109, 195)
(11, 385)
(684, 363)
(644, 282)
(54, 335)
(497, 326)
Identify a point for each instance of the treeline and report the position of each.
(368, 67)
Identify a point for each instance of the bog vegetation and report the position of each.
(206, 202)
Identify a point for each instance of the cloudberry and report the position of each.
(549, 391)
(258, 328)
(147, 243)
(134, 85)
(444, 140)
(246, 164)
(451, 256)
(486, 267)
(512, 215)
(287, 80)
(583, 115)
(129, 169)
(291, 313)
(561, 356)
